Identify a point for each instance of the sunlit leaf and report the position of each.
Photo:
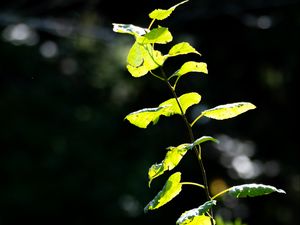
(135, 55)
(170, 190)
(160, 35)
(129, 29)
(204, 139)
(181, 49)
(161, 14)
(152, 58)
(142, 58)
(175, 154)
(142, 118)
(227, 111)
(172, 159)
(137, 71)
(196, 220)
(156, 170)
(185, 100)
(253, 190)
(192, 66)
(196, 216)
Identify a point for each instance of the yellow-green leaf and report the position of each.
(227, 111)
(161, 14)
(142, 118)
(137, 71)
(181, 49)
(170, 190)
(156, 170)
(152, 58)
(160, 35)
(192, 66)
(185, 100)
(197, 220)
(175, 154)
(196, 216)
(172, 159)
(129, 29)
(135, 55)
(142, 58)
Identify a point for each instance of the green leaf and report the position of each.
(142, 118)
(142, 58)
(135, 55)
(152, 58)
(197, 220)
(192, 216)
(175, 154)
(204, 139)
(185, 100)
(137, 71)
(161, 14)
(160, 35)
(172, 159)
(181, 49)
(170, 190)
(129, 29)
(227, 111)
(156, 170)
(192, 66)
(253, 190)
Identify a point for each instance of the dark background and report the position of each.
(68, 157)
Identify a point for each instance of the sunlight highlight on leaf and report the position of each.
(161, 14)
(160, 35)
(142, 118)
(182, 49)
(135, 55)
(196, 216)
(170, 190)
(172, 159)
(185, 100)
(192, 66)
(197, 220)
(227, 111)
(142, 58)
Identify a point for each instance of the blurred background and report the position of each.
(68, 157)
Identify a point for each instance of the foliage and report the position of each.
(145, 59)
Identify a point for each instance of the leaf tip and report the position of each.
(281, 191)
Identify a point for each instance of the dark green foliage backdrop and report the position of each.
(67, 156)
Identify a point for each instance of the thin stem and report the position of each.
(192, 183)
(155, 75)
(192, 139)
(177, 79)
(195, 120)
(172, 89)
(221, 193)
(150, 25)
